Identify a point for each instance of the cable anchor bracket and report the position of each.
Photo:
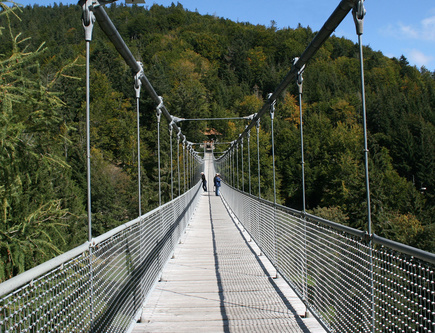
(272, 105)
(88, 19)
(358, 13)
(137, 80)
(258, 120)
(159, 109)
(299, 77)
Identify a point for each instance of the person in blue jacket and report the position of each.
(217, 183)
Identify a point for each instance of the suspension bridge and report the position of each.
(228, 263)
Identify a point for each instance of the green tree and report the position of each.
(34, 211)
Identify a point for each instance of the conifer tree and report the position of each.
(31, 165)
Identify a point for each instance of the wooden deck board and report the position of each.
(216, 283)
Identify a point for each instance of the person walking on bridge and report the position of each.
(204, 182)
(217, 183)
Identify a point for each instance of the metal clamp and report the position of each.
(367, 237)
(250, 117)
(137, 80)
(358, 13)
(159, 109)
(88, 19)
(272, 106)
(299, 77)
(258, 121)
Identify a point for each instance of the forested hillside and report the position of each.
(203, 66)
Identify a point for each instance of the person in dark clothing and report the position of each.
(204, 182)
(217, 183)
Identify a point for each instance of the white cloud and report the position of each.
(429, 28)
(419, 58)
(424, 31)
(408, 31)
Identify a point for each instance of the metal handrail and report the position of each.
(342, 292)
(363, 235)
(409, 250)
(125, 263)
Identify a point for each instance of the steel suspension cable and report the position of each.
(178, 162)
(187, 166)
(258, 157)
(299, 82)
(88, 32)
(172, 167)
(114, 36)
(88, 20)
(343, 8)
(231, 166)
(358, 13)
(272, 116)
(137, 86)
(233, 149)
(158, 114)
(237, 164)
(249, 160)
(194, 166)
(190, 165)
(243, 174)
(184, 164)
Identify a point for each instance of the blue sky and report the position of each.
(393, 27)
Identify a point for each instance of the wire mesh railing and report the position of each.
(329, 267)
(99, 286)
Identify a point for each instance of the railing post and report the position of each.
(358, 13)
(88, 20)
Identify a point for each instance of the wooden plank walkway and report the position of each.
(217, 283)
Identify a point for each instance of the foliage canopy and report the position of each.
(203, 66)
